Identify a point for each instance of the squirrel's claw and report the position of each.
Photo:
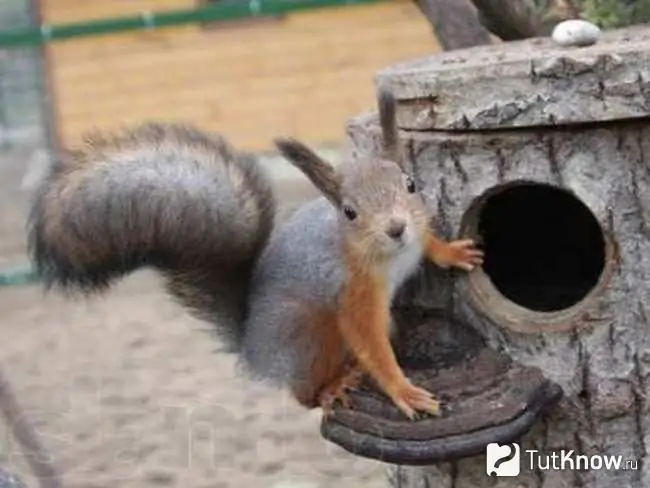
(411, 399)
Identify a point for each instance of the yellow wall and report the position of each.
(304, 75)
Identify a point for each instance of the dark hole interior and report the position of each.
(544, 249)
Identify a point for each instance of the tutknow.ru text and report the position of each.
(569, 460)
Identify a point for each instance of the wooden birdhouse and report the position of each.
(542, 153)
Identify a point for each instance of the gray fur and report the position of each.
(160, 195)
(388, 123)
(301, 269)
(321, 173)
(186, 203)
(301, 265)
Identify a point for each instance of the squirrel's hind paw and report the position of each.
(337, 391)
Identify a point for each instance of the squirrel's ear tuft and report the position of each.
(320, 172)
(388, 124)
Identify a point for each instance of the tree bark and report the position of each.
(455, 23)
(525, 83)
(601, 354)
(509, 19)
(513, 20)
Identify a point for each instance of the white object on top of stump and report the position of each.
(575, 32)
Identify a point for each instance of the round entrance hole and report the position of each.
(545, 251)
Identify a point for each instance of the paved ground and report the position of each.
(128, 392)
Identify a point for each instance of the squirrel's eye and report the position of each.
(350, 214)
(410, 184)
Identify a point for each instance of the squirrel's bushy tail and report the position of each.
(165, 196)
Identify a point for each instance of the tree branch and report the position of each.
(38, 458)
(519, 19)
(509, 19)
(454, 22)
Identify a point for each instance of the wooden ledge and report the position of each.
(487, 397)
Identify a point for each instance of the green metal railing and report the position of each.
(20, 275)
(222, 11)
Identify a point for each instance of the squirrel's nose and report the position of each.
(395, 228)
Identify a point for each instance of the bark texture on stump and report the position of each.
(596, 348)
(525, 83)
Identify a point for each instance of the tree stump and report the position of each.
(543, 154)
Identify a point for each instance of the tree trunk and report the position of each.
(455, 23)
(564, 216)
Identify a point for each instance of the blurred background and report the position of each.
(301, 73)
(127, 390)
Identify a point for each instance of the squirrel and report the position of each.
(305, 303)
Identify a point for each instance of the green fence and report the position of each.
(222, 11)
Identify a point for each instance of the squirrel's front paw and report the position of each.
(411, 399)
(461, 254)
